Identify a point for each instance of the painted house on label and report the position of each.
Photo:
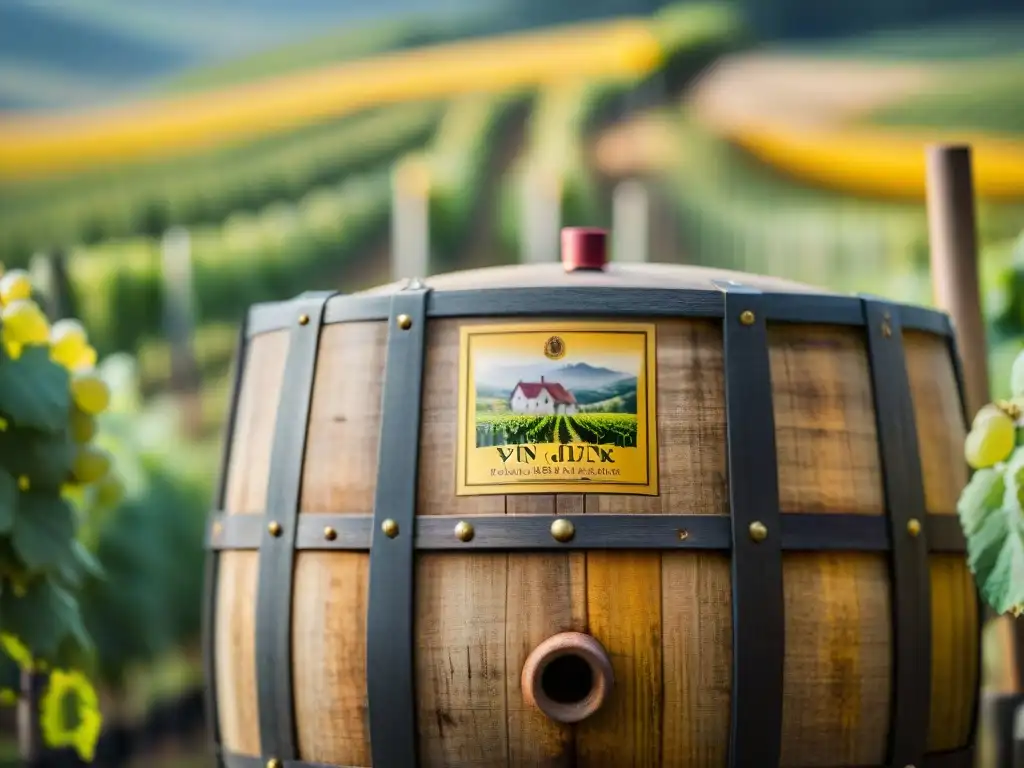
(542, 397)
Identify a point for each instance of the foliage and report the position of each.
(554, 164)
(991, 507)
(457, 163)
(151, 547)
(739, 214)
(984, 96)
(54, 484)
(1002, 276)
(618, 49)
(205, 188)
(277, 252)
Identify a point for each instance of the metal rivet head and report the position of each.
(274, 763)
(562, 530)
(913, 526)
(274, 528)
(303, 319)
(683, 534)
(464, 531)
(747, 317)
(390, 528)
(758, 531)
(330, 534)
(404, 322)
(217, 528)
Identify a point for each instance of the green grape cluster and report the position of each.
(991, 507)
(52, 475)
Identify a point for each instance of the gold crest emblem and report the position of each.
(554, 347)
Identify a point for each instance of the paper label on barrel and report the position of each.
(557, 407)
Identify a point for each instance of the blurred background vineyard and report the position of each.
(165, 165)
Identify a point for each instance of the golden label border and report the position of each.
(647, 435)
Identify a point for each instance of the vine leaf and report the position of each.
(993, 522)
(8, 500)
(40, 618)
(34, 390)
(44, 529)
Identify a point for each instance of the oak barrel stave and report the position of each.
(665, 618)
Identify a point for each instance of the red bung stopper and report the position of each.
(584, 248)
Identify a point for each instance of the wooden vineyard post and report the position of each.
(541, 217)
(631, 215)
(179, 322)
(30, 740)
(50, 273)
(953, 241)
(410, 221)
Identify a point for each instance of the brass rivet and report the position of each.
(464, 531)
(330, 534)
(217, 528)
(747, 317)
(886, 329)
(683, 534)
(562, 530)
(404, 322)
(303, 319)
(274, 528)
(758, 531)
(913, 526)
(274, 763)
(390, 528)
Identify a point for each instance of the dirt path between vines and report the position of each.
(802, 91)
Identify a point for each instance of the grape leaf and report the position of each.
(982, 496)
(8, 500)
(996, 557)
(34, 390)
(44, 529)
(40, 618)
(992, 517)
(45, 458)
(73, 570)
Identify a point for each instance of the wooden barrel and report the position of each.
(739, 491)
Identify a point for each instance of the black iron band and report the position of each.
(758, 608)
(800, 532)
(390, 671)
(905, 509)
(209, 617)
(277, 548)
(568, 301)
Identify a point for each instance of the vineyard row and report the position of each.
(594, 429)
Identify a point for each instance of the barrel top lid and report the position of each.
(612, 275)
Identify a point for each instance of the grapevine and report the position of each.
(991, 507)
(619, 429)
(50, 471)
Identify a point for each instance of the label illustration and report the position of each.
(561, 407)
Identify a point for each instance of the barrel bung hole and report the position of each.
(567, 679)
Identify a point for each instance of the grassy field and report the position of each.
(857, 130)
(977, 96)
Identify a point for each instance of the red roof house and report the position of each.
(541, 397)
